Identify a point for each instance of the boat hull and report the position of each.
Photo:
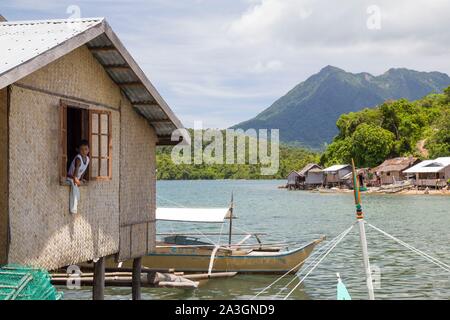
(182, 259)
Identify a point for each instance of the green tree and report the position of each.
(447, 94)
(371, 144)
(340, 151)
(439, 143)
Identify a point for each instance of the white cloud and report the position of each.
(224, 61)
(269, 18)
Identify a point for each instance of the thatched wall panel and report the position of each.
(125, 242)
(78, 74)
(43, 232)
(3, 176)
(137, 182)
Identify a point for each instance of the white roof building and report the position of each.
(430, 166)
(336, 167)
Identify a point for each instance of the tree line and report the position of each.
(418, 128)
(395, 128)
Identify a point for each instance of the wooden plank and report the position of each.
(160, 121)
(136, 279)
(131, 84)
(102, 49)
(71, 99)
(117, 67)
(98, 289)
(63, 140)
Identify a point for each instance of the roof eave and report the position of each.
(141, 75)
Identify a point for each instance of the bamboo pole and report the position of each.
(362, 233)
(231, 221)
(365, 253)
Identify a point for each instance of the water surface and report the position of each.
(297, 216)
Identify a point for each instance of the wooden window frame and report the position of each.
(63, 142)
(64, 105)
(100, 134)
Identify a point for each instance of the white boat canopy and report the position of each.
(209, 215)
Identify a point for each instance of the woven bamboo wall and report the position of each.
(3, 176)
(78, 74)
(43, 232)
(137, 185)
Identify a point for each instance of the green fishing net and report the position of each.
(23, 283)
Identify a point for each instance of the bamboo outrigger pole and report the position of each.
(231, 221)
(362, 233)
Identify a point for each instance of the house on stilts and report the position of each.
(309, 177)
(62, 81)
(334, 175)
(392, 170)
(430, 173)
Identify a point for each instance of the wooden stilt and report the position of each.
(98, 289)
(136, 279)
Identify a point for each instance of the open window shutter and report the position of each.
(63, 140)
(93, 143)
(101, 144)
(109, 146)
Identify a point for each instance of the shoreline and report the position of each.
(376, 191)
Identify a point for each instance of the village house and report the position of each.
(430, 173)
(311, 175)
(363, 174)
(293, 180)
(334, 175)
(62, 81)
(391, 170)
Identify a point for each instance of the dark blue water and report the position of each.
(297, 216)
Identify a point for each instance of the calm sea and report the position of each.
(297, 216)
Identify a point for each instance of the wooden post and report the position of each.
(362, 233)
(98, 289)
(230, 235)
(136, 279)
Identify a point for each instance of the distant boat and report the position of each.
(187, 253)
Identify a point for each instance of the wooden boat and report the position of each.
(186, 253)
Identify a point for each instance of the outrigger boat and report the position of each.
(188, 253)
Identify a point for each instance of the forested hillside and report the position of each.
(307, 114)
(395, 128)
(291, 158)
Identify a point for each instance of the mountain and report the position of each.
(307, 114)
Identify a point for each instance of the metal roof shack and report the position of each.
(430, 166)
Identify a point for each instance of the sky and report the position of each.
(224, 61)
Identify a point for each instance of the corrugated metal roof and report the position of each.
(430, 166)
(26, 46)
(22, 41)
(336, 167)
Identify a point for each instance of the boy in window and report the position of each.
(76, 173)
